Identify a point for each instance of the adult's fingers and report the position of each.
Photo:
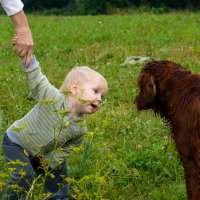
(21, 52)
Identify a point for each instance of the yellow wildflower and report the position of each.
(11, 169)
(70, 180)
(75, 149)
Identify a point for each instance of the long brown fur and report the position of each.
(174, 92)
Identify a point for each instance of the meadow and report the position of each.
(126, 155)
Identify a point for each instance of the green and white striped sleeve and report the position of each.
(38, 84)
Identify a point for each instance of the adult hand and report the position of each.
(24, 44)
(14, 42)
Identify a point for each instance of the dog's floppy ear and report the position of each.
(145, 99)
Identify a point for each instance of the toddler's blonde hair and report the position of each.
(79, 74)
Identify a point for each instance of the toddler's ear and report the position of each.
(74, 88)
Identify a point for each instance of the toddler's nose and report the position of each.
(99, 98)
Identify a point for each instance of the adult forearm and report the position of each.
(20, 21)
(25, 41)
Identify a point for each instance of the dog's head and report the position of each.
(152, 81)
(147, 91)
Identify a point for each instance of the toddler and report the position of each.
(40, 141)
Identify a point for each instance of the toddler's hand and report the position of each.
(14, 42)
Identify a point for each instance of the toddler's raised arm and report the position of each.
(39, 85)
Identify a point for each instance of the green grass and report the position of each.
(131, 155)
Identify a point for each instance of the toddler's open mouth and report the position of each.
(94, 105)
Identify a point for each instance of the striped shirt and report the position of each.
(48, 129)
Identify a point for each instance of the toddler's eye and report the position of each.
(95, 91)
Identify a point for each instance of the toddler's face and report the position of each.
(91, 94)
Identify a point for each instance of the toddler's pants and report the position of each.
(24, 170)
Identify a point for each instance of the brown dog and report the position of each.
(174, 93)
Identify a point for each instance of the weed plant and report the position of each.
(126, 155)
